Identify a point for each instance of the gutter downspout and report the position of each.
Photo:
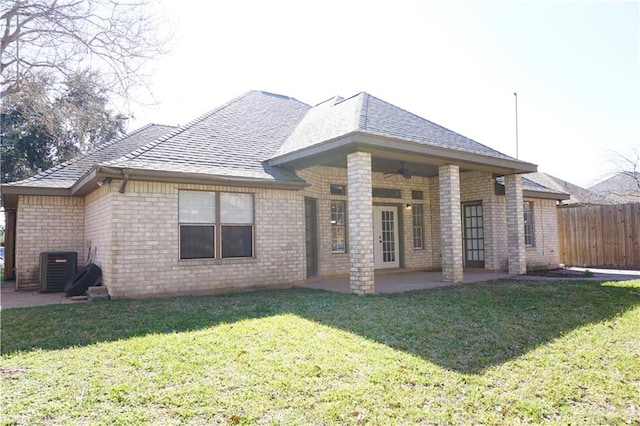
(125, 180)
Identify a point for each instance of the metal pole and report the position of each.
(516, 96)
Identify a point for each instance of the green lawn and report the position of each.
(493, 353)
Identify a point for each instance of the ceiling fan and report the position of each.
(402, 171)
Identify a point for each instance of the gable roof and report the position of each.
(231, 141)
(66, 174)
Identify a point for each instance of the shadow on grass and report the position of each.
(465, 328)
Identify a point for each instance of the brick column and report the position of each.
(515, 224)
(451, 223)
(360, 223)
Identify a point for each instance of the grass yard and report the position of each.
(494, 353)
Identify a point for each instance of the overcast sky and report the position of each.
(575, 67)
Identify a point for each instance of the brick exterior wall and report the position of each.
(544, 253)
(451, 226)
(134, 236)
(360, 228)
(98, 225)
(145, 244)
(320, 179)
(515, 224)
(46, 224)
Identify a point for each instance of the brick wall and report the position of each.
(320, 178)
(544, 252)
(135, 235)
(97, 231)
(46, 224)
(145, 237)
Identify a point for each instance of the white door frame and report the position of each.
(386, 245)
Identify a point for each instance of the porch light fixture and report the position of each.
(408, 206)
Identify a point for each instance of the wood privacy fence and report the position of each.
(600, 236)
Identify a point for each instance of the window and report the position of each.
(215, 225)
(336, 189)
(386, 193)
(197, 218)
(418, 239)
(338, 227)
(528, 223)
(416, 195)
(236, 217)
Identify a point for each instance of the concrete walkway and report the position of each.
(10, 298)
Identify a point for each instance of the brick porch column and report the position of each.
(451, 223)
(515, 224)
(360, 223)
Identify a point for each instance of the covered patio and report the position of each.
(402, 281)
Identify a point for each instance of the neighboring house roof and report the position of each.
(622, 188)
(367, 114)
(232, 141)
(66, 174)
(576, 194)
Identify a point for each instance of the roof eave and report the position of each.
(10, 193)
(193, 178)
(358, 140)
(558, 196)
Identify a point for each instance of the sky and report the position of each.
(574, 65)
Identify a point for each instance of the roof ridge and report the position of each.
(363, 120)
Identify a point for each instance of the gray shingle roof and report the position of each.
(66, 174)
(577, 194)
(233, 140)
(622, 188)
(367, 114)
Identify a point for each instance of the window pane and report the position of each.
(197, 206)
(337, 239)
(336, 189)
(237, 241)
(196, 242)
(236, 208)
(337, 213)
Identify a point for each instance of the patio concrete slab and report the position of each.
(395, 282)
(399, 282)
(10, 298)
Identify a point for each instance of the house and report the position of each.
(576, 195)
(623, 187)
(267, 191)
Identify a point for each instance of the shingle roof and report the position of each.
(66, 174)
(622, 188)
(233, 140)
(577, 194)
(367, 114)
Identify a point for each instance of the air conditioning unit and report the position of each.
(56, 268)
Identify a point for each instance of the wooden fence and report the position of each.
(600, 236)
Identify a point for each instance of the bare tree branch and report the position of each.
(113, 37)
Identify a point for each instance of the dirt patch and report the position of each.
(559, 273)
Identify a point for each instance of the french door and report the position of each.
(385, 237)
(473, 235)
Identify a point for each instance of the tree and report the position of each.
(41, 127)
(115, 38)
